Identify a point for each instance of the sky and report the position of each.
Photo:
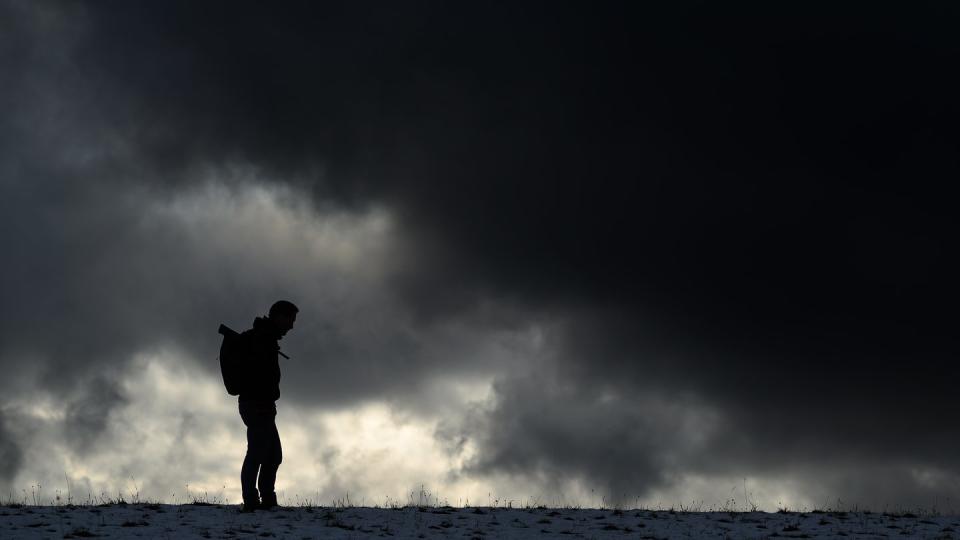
(602, 253)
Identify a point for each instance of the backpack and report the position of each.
(231, 360)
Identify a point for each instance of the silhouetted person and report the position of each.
(258, 408)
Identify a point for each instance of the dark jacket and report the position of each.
(262, 363)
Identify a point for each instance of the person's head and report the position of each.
(283, 314)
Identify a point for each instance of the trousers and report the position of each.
(264, 453)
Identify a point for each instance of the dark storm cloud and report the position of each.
(744, 205)
(11, 455)
(550, 428)
(88, 415)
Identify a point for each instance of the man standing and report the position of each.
(258, 408)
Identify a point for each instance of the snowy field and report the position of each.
(300, 523)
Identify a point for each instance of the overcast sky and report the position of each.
(565, 253)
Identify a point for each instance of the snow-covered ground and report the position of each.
(300, 523)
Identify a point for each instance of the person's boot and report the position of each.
(249, 506)
(268, 501)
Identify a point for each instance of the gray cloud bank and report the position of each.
(695, 242)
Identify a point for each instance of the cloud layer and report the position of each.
(635, 252)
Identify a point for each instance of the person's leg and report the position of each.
(268, 470)
(248, 479)
(268, 477)
(258, 438)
